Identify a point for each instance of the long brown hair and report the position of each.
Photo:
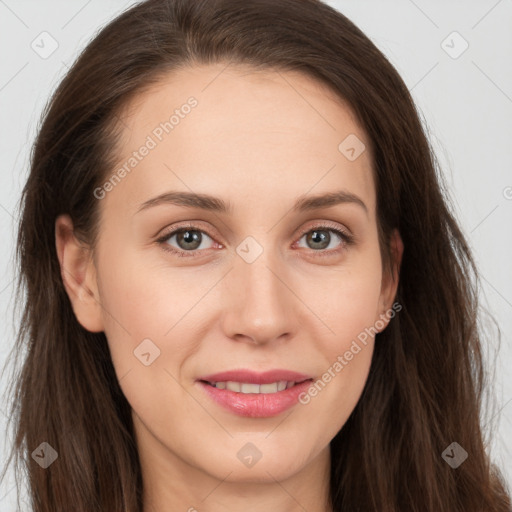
(427, 380)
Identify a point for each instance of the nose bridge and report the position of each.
(262, 307)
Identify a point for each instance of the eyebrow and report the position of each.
(210, 203)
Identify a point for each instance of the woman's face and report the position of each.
(260, 282)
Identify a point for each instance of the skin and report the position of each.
(260, 140)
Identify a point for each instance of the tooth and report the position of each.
(268, 388)
(249, 388)
(233, 386)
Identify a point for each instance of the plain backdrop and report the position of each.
(455, 57)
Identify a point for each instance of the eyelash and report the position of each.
(347, 240)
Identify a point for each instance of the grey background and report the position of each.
(466, 104)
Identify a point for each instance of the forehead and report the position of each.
(237, 132)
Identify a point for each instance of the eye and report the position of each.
(187, 239)
(320, 239)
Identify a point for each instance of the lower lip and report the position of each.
(256, 405)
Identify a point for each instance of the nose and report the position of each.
(260, 305)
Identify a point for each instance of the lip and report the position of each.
(256, 405)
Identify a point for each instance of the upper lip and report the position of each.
(252, 377)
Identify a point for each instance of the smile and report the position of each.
(251, 388)
(255, 404)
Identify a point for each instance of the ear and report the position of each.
(78, 275)
(390, 280)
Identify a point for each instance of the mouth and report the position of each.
(251, 388)
(255, 395)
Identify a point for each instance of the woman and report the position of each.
(245, 288)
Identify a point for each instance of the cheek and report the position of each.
(351, 314)
(349, 300)
(349, 306)
(161, 304)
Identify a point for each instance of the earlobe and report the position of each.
(390, 281)
(78, 275)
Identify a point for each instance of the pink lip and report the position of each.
(255, 377)
(256, 405)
